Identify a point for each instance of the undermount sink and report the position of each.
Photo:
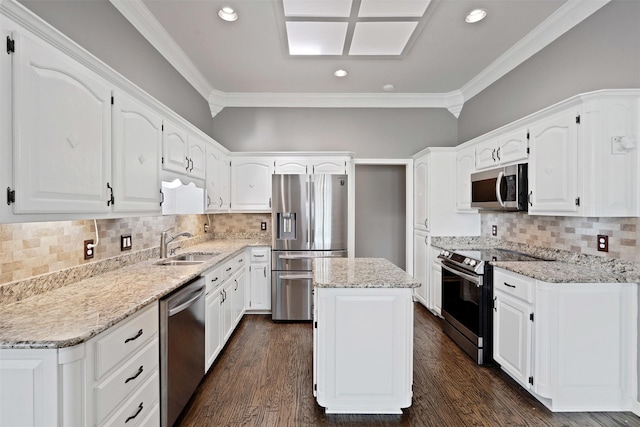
(189, 259)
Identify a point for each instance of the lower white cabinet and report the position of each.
(259, 289)
(224, 304)
(436, 282)
(363, 349)
(569, 344)
(104, 381)
(421, 266)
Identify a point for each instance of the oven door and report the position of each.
(461, 302)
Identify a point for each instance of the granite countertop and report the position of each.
(360, 273)
(74, 313)
(563, 267)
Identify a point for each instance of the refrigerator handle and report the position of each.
(312, 219)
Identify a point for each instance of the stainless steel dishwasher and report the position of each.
(181, 348)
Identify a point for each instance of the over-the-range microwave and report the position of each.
(500, 189)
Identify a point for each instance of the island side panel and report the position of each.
(364, 349)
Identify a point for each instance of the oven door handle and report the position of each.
(469, 277)
(498, 185)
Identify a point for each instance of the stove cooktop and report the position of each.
(475, 259)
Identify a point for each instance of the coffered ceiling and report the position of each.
(398, 53)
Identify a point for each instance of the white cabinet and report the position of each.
(512, 324)
(182, 152)
(251, 183)
(239, 290)
(94, 383)
(259, 292)
(213, 316)
(553, 169)
(364, 349)
(137, 142)
(569, 344)
(312, 165)
(465, 166)
(436, 282)
(217, 180)
(421, 266)
(62, 132)
(420, 194)
(503, 150)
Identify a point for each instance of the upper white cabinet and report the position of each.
(505, 149)
(553, 170)
(62, 132)
(183, 152)
(465, 166)
(420, 195)
(251, 183)
(137, 142)
(312, 165)
(217, 180)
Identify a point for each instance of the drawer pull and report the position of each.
(228, 269)
(240, 260)
(140, 369)
(134, 338)
(136, 414)
(215, 279)
(508, 285)
(259, 256)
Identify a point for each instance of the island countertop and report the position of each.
(360, 273)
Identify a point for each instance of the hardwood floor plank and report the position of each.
(264, 378)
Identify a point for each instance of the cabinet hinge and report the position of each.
(162, 160)
(531, 380)
(315, 325)
(112, 100)
(315, 387)
(11, 45)
(578, 119)
(577, 201)
(528, 136)
(531, 316)
(162, 127)
(528, 150)
(11, 196)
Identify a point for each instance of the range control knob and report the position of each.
(446, 253)
(472, 262)
(466, 261)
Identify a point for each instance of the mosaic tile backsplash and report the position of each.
(575, 234)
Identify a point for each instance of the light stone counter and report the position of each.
(75, 312)
(567, 267)
(360, 273)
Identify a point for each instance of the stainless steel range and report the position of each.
(467, 297)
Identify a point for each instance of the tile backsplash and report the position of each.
(575, 234)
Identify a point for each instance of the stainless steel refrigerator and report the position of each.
(309, 220)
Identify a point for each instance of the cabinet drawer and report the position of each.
(259, 255)
(239, 261)
(214, 278)
(125, 380)
(135, 410)
(125, 339)
(513, 284)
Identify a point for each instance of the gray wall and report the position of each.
(98, 27)
(368, 132)
(380, 212)
(602, 52)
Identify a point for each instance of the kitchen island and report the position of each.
(363, 336)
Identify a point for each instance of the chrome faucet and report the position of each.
(164, 240)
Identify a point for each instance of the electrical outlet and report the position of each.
(125, 242)
(494, 230)
(603, 243)
(88, 251)
(206, 228)
(263, 226)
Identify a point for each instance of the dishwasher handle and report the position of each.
(184, 305)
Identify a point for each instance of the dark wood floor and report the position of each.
(264, 378)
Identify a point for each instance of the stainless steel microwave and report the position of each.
(500, 189)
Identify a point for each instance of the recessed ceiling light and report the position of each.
(340, 73)
(475, 15)
(388, 88)
(228, 14)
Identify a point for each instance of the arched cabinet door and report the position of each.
(62, 132)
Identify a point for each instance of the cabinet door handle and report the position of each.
(269, 201)
(138, 335)
(221, 298)
(498, 153)
(510, 286)
(529, 198)
(236, 288)
(495, 307)
(208, 201)
(161, 197)
(265, 271)
(136, 414)
(220, 201)
(111, 200)
(191, 160)
(140, 369)
(493, 154)
(187, 168)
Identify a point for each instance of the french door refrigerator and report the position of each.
(309, 220)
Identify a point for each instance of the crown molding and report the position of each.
(562, 20)
(451, 101)
(143, 20)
